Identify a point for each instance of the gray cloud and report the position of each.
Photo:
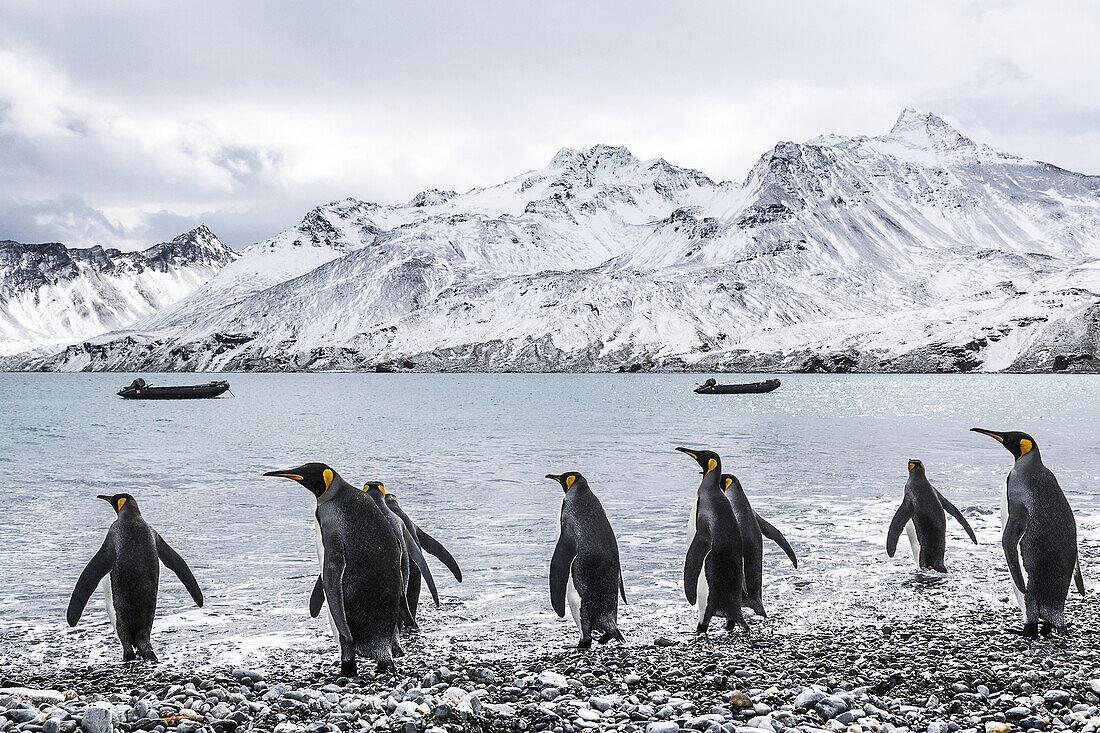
(137, 120)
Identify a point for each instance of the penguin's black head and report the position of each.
(375, 485)
(566, 480)
(118, 501)
(728, 480)
(1018, 444)
(708, 460)
(316, 477)
(915, 465)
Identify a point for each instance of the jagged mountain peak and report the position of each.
(590, 158)
(927, 131)
(431, 197)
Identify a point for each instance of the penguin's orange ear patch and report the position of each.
(1025, 446)
(120, 503)
(328, 476)
(569, 481)
(711, 465)
(729, 483)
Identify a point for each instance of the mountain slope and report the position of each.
(53, 294)
(918, 250)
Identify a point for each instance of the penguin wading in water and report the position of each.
(360, 567)
(921, 515)
(752, 528)
(128, 564)
(426, 543)
(1037, 526)
(714, 566)
(585, 571)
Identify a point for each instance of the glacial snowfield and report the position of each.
(916, 251)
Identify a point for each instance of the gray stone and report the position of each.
(97, 720)
(830, 707)
(662, 726)
(808, 698)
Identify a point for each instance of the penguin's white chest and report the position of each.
(573, 598)
(108, 597)
(911, 533)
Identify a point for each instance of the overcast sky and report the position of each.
(128, 124)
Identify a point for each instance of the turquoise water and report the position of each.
(823, 458)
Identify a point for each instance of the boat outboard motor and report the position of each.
(710, 382)
(138, 383)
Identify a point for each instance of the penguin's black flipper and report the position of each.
(433, 546)
(175, 563)
(897, 524)
(1010, 541)
(416, 556)
(954, 511)
(777, 537)
(331, 574)
(622, 588)
(93, 572)
(316, 598)
(693, 565)
(560, 565)
(1078, 579)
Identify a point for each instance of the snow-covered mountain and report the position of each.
(918, 250)
(51, 294)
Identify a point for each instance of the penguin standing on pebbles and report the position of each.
(752, 528)
(360, 567)
(714, 566)
(128, 563)
(584, 571)
(921, 514)
(1038, 526)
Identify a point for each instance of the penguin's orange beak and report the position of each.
(285, 474)
(991, 433)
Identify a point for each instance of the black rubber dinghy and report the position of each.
(712, 387)
(139, 390)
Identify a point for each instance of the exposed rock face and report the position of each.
(50, 293)
(919, 250)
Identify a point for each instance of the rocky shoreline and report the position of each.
(933, 673)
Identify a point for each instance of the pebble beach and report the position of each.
(939, 673)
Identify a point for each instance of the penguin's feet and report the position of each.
(701, 629)
(1048, 627)
(128, 655)
(148, 655)
(349, 669)
(585, 643)
(1031, 631)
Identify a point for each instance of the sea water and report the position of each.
(823, 459)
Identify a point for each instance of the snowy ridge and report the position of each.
(918, 250)
(50, 294)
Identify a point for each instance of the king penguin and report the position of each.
(426, 543)
(922, 516)
(360, 567)
(414, 556)
(1037, 524)
(128, 563)
(585, 571)
(752, 528)
(714, 567)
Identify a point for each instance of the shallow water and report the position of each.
(823, 458)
